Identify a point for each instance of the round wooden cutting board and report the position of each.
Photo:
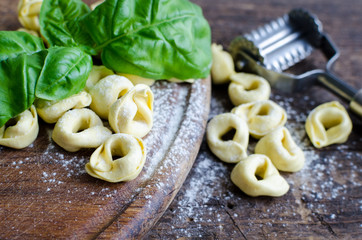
(46, 193)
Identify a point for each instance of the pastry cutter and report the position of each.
(278, 45)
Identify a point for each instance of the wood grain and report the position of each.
(324, 201)
(45, 192)
(325, 197)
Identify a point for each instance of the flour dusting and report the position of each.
(312, 189)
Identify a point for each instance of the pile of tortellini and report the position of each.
(79, 123)
(255, 115)
(125, 101)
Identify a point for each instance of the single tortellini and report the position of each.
(106, 92)
(137, 79)
(233, 150)
(257, 176)
(245, 88)
(280, 147)
(23, 132)
(97, 73)
(51, 111)
(28, 14)
(222, 65)
(262, 116)
(80, 128)
(133, 113)
(131, 155)
(327, 124)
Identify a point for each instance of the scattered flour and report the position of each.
(62, 168)
(208, 186)
(208, 197)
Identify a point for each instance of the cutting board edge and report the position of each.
(117, 230)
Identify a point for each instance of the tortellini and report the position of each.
(97, 73)
(262, 116)
(23, 132)
(222, 66)
(245, 88)
(280, 147)
(28, 14)
(137, 79)
(106, 91)
(80, 128)
(257, 176)
(133, 113)
(131, 155)
(230, 151)
(51, 111)
(327, 124)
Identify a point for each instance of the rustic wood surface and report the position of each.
(324, 201)
(45, 192)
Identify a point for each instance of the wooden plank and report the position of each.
(324, 201)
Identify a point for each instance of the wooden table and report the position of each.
(324, 201)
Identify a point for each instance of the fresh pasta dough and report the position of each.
(137, 79)
(28, 14)
(51, 111)
(245, 88)
(97, 73)
(133, 113)
(130, 155)
(23, 132)
(106, 92)
(257, 176)
(280, 147)
(230, 151)
(327, 124)
(222, 65)
(80, 128)
(262, 116)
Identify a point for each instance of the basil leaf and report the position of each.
(28, 70)
(14, 43)
(59, 23)
(157, 39)
(17, 83)
(64, 73)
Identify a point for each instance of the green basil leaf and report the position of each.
(14, 43)
(59, 23)
(65, 72)
(28, 70)
(17, 83)
(157, 39)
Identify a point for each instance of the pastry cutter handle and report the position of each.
(344, 90)
(334, 83)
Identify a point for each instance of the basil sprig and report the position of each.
(158, 39)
